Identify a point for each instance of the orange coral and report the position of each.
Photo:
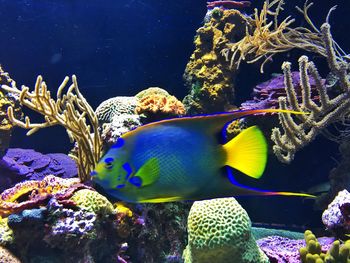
(30, 194)
(160, 105)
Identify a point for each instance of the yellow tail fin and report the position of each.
(247, 152)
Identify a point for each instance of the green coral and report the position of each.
(92, 201)
(219, 230)
(312, 253)
(6, 234)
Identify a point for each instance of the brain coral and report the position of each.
(115, 106)
(219, 230)
(93, 202)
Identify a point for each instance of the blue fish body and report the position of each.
(182, 159)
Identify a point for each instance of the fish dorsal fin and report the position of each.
(247, 152)
(147, 174)
(211, 123)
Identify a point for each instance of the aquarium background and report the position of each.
(122, 47)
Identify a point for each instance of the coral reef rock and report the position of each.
(219, 230)
(208, 73)
(335, 217)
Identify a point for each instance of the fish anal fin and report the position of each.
(247, 152)
(162, 199)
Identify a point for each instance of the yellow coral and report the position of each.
(92, 201)
(312, 253)
(122, 209)
(6, 233)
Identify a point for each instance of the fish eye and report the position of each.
(109, 163)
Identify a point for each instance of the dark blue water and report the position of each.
(119, 47)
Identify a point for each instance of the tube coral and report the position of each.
(298, 131)
(70, 110)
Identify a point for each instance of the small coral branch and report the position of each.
(298, 131)
(271, 37)
(69, 110)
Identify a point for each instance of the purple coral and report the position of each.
(267, 93)
(26, 164)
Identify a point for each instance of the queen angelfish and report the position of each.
(183, 159)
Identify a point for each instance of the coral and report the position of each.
(156, 104)
(281, 249)
(33, 194)
(267, 93)
(116, 106)
(313, 252)
(93, 202)
(207, 73)
(334, 218)
(220, 229)
(267, 37)
(71, 111)
(298, 131)
(7, 257)
(149, 92)
(116, 117)
(26, 164)
(156, 107)
(6, 233)
(7, 99)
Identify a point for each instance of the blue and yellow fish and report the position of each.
(183, 159)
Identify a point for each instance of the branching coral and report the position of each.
(313, 253)
(70, 110)
(302, 129)
(269, 37)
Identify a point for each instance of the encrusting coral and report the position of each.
(33, 194)
(220, 230)
(70, 110)
(156, 104)
(298, 131)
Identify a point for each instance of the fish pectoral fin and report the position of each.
(147, 174)
(247, 152)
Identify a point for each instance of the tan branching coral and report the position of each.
(70, 110)
(7, 100)
(300, 130)
(268, 36)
